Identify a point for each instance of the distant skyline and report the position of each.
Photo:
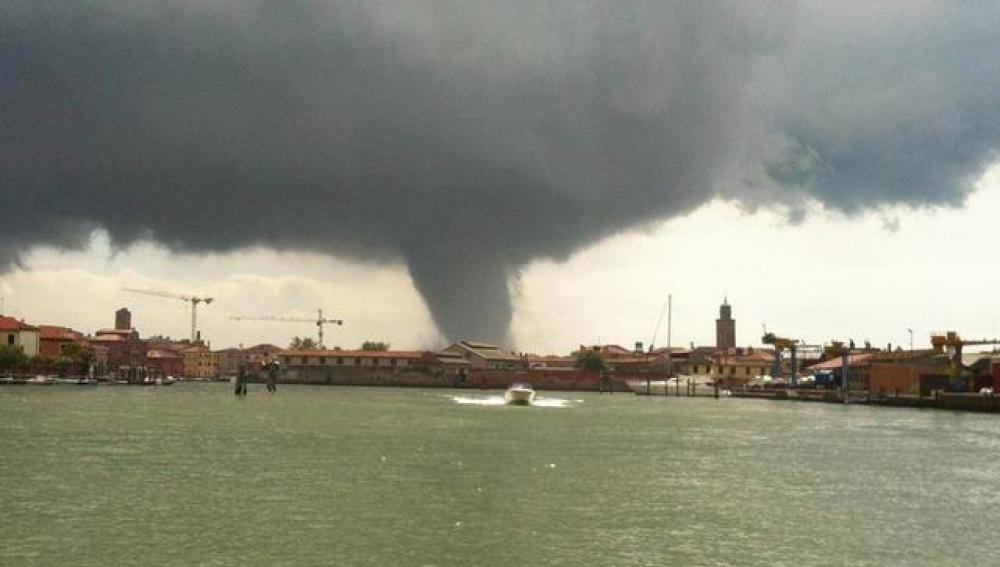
(868, 277)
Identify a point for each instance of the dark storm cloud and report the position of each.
(467, 139)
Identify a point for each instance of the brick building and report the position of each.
(53, 339)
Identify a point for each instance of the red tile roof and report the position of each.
(56, 333)
(12, 324)
(852, 359)
(263, 348)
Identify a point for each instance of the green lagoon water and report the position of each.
(189, 475)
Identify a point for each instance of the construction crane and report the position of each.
(319, 321)
(194, 301)
(954, 343)
(780, 344)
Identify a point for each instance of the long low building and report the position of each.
(366, 358)
(367, 367)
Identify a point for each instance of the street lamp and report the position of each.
(911, 338)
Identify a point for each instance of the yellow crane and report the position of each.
(193, 300)
(319, 321)
(953, 343)
(781, 344)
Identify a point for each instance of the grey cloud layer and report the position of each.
(466, 139)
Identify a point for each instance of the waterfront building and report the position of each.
(366, 367)
(484, 355)
(257, 356)
(53, 339)
(351, 358)
(199, 362)
(548, 361)
(19, 334)
(166, 362)
(699, 361)
(227, 361)
(740, 365)
(124, 347)
(608, 352)
(725, 326)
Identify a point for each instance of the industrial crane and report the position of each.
(194, 301)
(954, 344)
(319, 321)
(780, 344)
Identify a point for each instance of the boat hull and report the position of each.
(519, 396)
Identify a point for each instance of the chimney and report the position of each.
(638, 347)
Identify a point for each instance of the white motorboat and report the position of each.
(40, 381)
(519, 394)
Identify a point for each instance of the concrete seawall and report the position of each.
(944, 400)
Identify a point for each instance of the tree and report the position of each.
(11, 358)
(303, 343)
(591, 360)
(375, 345)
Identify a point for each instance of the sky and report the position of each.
(442, 169)
(831, 276)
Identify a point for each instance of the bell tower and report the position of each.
(725, 326)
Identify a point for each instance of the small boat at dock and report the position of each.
(519, 394)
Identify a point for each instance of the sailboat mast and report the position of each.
(670, 358)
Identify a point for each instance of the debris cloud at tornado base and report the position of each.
(465, 140)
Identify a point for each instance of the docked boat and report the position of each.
(519, 394)
(40, 381)
(671, 386)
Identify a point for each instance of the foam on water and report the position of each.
(500, 401)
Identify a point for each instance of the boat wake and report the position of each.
(500, 401)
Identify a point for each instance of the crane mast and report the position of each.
(193, 300)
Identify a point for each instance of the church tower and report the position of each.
(725, 326)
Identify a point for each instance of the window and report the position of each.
(322, 360)
(732, 370)
(695, 369)
(374, 362)
(392, 362)
(340, 360)
(302, 359)
(10, 340)
(746, 370)
(357, 361)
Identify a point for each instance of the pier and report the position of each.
(954, 401)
